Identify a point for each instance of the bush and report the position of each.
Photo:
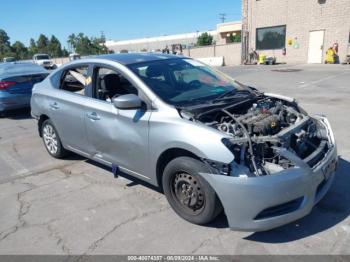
(205, 39)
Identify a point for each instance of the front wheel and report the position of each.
(51, 140)
(188, 193)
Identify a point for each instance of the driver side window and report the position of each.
(109, 83)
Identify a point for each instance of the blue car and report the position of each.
(16, 83)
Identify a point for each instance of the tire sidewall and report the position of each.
(193, 167)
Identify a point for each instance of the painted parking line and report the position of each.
(322, 80)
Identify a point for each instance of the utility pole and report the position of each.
(245, 39)
(222, 17)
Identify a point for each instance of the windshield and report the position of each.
(182, 82)
(42, 57)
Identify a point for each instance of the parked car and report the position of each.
(209, 141)
(16, 83)
(44, 60)
(74, 56)
(8, 59)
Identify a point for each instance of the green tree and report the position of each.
(54, 47)
(33, 49)
(20, 50)
(5, 47)
(71, 42)
(205, 39)
(43, 44)
(235, 38)
(65, 52)
(84, 45)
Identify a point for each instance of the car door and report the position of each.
(67, 107)
(115, 136)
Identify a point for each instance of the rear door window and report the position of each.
(75, 79)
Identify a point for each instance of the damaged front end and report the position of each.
(258, 133)
(284, 161)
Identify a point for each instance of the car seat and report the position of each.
(110, 86)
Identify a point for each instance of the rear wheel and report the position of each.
(188, 193)
(51, 140)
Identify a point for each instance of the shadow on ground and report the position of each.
(331, 210)
(18, 114)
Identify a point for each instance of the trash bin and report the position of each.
(329, 56)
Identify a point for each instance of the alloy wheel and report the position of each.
(50, 139)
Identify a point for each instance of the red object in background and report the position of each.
(6, 84)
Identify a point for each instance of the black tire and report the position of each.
(54, 142)
(189, 194)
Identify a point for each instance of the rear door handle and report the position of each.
(93, 116)
(54, 106)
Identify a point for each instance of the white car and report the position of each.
(44, 60)
(74, 56)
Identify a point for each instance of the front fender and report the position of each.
(204, 142)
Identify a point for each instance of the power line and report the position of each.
(223, 17)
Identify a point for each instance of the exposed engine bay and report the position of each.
(259, 129)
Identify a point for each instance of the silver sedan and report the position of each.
(211, 143)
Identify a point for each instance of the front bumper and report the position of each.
(245, 198)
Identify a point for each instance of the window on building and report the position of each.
(271, 37)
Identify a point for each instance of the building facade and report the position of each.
(225, 33)
(296, 31)
(158, 43)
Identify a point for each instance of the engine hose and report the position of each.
(248, 137)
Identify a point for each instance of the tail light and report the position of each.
(6, 84)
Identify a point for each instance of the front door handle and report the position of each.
(93, 116)
(54, 106)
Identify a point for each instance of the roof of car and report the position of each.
(133, 58)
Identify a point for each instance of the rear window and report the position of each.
(75, 79)
(15, 69)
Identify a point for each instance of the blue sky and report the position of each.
(119, 19)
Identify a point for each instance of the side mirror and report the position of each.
(129, 101)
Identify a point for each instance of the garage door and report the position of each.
(315, 47)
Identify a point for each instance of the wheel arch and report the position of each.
(41, 120)
(168, 155)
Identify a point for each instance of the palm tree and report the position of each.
(71, 42)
